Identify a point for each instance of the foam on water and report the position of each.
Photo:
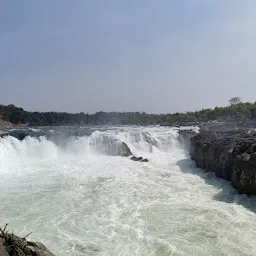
(80, 201)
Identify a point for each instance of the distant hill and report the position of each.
(12, 115)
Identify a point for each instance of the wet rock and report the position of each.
(125, 150)
(139, 159)
(230, 155)
(134, 158)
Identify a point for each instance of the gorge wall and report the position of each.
(230, 155)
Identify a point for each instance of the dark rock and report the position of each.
(139, 159)
(125, 150)
(230, 155)
(12, 245)
(134, 158)
(244, 174)
(21, 134)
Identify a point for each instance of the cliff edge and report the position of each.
(230, 155)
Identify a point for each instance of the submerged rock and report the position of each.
(231, 156)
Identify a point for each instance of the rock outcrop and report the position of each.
(125, 150)
(230, 155)
(12, 245)
(139, 159)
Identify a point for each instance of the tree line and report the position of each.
(236, 111)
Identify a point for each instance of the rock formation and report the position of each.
(12, 245)
(125, 150)
(139, 159)
(230, 155)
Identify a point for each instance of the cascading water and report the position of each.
(76, 192)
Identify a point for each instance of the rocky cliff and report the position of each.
(230, 155)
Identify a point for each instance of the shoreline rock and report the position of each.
(230, 155)
(12, 245)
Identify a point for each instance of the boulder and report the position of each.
(139, 159)
(125, 150)
(134, 158)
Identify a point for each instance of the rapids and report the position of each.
(72, 188)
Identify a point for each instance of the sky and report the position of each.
(157, 56)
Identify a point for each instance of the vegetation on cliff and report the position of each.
(236, 111)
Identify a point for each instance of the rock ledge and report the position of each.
(231, 156)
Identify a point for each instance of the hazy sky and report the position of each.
(126, 55)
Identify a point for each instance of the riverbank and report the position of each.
(5, 125)
(230, 155)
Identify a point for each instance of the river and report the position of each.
(72, 189)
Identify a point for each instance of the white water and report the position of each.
(78, 201)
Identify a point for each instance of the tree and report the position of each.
(234, 100)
